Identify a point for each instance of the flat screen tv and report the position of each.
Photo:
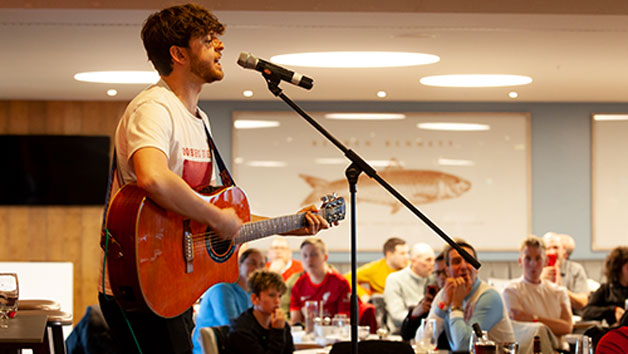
(54, 169)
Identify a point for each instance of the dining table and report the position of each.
(25, 332)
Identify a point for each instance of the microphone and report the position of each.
(250, 61)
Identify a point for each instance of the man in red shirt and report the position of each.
(318, 283)
(280, 259)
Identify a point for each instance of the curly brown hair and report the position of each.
(614, 263)
(263, 279)
(176, 26)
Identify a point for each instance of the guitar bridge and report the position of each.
(188, 247)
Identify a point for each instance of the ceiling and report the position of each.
(574, 53)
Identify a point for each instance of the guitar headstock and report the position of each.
(333, 208)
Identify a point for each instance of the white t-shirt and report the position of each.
(545, 299)
(157, 118)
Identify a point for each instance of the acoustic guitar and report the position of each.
(160, 261)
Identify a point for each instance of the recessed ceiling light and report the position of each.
(112, 92)
(450, 126)
(266, 164)
(513, 94)
(601, 117)
(476, 80)
(119, 77)
(254, 124)
(355, 59)
(340, 161)
(381, 94)
(247, 93)
(365, 116)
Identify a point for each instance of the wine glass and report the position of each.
(9, 292)
(425, 336)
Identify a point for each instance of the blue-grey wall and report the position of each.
(560, 156)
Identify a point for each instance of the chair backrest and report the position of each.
(208, 341)
(373, 347)
(213, 339)
(525, 333)
(380, 309)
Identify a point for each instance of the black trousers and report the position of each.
(154, 334)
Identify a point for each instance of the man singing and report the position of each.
(161, 144)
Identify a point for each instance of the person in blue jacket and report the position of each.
(224, 302)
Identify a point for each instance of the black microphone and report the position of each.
(250, 61)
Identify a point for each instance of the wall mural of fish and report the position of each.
(419, 186)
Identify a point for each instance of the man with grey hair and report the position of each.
(565, 272)
(568, 243)
(406, 287)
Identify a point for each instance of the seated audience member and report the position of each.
(224, 302)
(412, 321)
(533, 299)
(262, 328)
(319, 282)
(465, 300)
(564, 272)
(374, 274)
(608, 302)
(280, 259)
(569, 244)
(614, 342)
(406, 287)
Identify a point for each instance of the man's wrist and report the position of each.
(455, 308)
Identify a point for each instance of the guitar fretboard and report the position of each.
(259, 229)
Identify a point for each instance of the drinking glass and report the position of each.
(9, 292)
(311, 312)
(510, 348)
(584, 345)
(426, 336)
(341, 323)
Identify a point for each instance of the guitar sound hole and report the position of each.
(218, 248)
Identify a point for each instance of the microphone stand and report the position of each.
(358, 166)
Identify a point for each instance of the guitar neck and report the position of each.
(260, 229)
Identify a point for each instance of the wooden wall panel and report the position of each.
(62, 234)
(4, 116)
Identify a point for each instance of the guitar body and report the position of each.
(149, 257)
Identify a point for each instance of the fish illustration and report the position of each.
(419, 186)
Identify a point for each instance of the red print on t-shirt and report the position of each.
(197, 174)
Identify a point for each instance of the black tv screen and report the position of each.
(54, 169)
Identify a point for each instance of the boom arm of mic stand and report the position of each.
(273, 83)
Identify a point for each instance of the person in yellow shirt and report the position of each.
(371, 277)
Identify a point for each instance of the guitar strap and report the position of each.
(225, 176)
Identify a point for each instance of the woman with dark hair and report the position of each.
(608, 302)
(224, 302)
